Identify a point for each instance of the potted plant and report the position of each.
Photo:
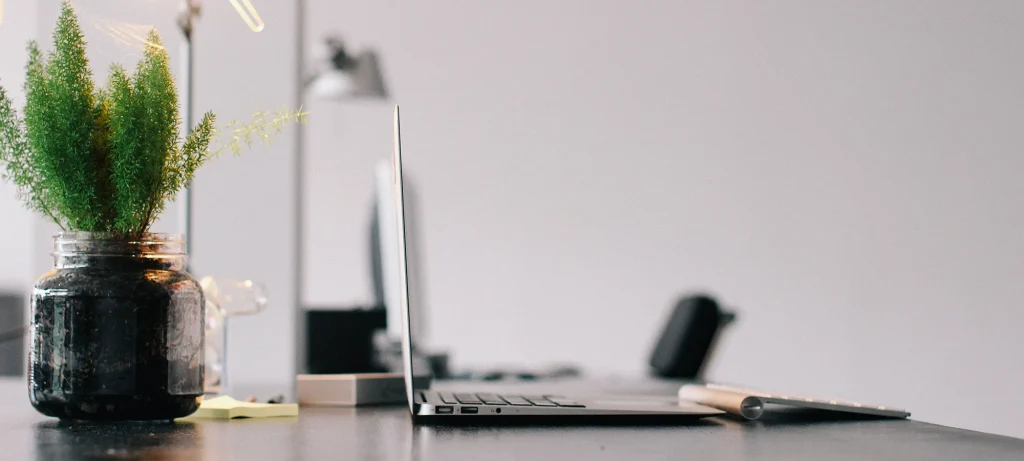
(117, 325)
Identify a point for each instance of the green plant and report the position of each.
(108, 159)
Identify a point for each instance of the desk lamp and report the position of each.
(335, 74)
(346, 76)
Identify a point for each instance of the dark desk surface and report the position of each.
(386, 433)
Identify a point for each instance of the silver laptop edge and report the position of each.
(426, 403)
(399, 197)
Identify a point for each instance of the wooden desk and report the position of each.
(386, 433)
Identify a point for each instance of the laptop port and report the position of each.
(443, 410)
(469, 410)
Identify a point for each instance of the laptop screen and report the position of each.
(405, 303)
(384, 255)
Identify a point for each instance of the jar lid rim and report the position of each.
(111, 244)
(148, 237)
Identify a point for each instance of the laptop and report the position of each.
(431, 406)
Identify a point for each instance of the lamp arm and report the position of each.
(186, 21)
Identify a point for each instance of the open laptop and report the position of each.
(427, 405)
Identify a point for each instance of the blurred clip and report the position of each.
(248, 14)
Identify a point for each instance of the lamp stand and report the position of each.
(186, 21)
(298, 215)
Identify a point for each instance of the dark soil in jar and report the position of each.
(120, 339)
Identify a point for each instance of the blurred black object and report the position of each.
(686, 342)
(12, 330)
(342, 341)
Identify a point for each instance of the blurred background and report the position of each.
(845, 175)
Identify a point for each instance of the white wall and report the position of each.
(245, 206)
(845, 173)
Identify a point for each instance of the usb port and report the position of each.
(443, 410)
(469, 410)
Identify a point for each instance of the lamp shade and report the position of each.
(360, 78)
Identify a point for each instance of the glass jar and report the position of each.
(226, 298)
(117, 330)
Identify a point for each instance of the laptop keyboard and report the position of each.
(508, 400)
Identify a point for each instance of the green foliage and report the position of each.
(108, 160)
(16, 153)
(60, 114)
(261, 128)
(194, 153)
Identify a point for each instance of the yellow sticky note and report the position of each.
(225, 407)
